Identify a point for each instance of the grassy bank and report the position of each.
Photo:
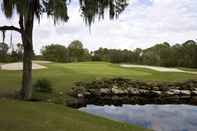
(23, 116)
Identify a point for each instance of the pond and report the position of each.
(157, 117)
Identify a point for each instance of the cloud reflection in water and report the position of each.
(157, 117)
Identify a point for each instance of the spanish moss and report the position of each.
(3, 36)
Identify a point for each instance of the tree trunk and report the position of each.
(26, 90)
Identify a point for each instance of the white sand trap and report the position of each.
(160, 69)
(42, 62)
(19, 66)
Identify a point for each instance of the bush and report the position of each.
(43, 85)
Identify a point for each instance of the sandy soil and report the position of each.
(19, 66)
(42, 62)
(161, 69)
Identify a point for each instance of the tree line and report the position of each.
(163, 54)
(75, 52)
(11, 55)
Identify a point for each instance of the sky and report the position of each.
(143, 24)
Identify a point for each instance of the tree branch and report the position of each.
(21, 22)
(11, 28)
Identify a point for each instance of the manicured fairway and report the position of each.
(63, 76)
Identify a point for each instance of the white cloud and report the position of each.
(142, 24)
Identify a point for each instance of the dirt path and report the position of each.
(160, 69)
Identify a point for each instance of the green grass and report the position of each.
(22, 116)
(27, 116)
(63, 76)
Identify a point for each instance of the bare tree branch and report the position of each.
(21, 22)
(11, 28)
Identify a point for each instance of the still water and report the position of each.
(157, 117)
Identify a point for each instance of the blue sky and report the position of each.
(143, 24)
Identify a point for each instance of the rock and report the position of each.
(192, 85)
(157, 92)
(87, 93)
(115, 89)
(118, 91)
(155, 88)
(171, 99)
(75, 103)
(185, 97)
(164, 88)
(172, 92)
(125, 91)
(184, 87)
(153, 94)
(142, 91)
(134, 91)
(150, 84)
(80, 95)
(178, 87)
(169, 93)
(143, 87)
(105, 91)
(175, 91)
(185, 92)
(194, 100)
(173, 87)
(194, 92)
(95, 92)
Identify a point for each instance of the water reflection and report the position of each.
(157, 117)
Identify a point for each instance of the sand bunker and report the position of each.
(160, 69)
(42, 62)
(19, 66)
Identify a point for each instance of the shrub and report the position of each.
(43, 85)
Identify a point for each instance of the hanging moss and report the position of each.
(3, 35)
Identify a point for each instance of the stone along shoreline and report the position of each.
(120, 91)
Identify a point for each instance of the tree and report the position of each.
(86, 55)
(76, 44)
(55, 52)
(113, 55)
(27, 10)
(189, 53)
(137, 55)
(77, 52)
(157, 55)
(3, 51)
(102, 54)
(19, 51)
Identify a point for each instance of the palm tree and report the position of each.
(28, 10)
